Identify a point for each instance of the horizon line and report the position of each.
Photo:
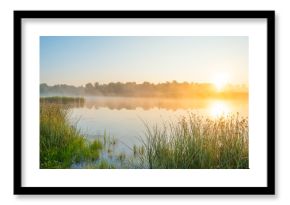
(140, 83)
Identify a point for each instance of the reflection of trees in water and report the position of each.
(132, 103)
(146, 103)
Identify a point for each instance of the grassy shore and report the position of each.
(63, 100)
(197, 143)
(61, 144)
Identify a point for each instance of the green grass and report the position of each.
(61, 144)
(63, 100)
(197, 143)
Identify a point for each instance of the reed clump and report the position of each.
(197, 143)
(63, 100)
(61, 144)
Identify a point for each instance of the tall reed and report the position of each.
(197, 143)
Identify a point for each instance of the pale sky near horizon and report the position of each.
(77, 60)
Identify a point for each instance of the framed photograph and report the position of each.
(144, 102)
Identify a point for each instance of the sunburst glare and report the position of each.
(220, 81)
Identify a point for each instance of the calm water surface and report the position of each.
(123, 118)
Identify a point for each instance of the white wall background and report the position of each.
(282, 98)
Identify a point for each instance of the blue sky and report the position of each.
(77, 60)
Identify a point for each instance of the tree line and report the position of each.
(145, 89)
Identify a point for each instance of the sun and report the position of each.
(220, 81)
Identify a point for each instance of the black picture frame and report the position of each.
(19, 189)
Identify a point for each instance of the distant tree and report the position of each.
(89, 89)
(44, 88)
(89, 86)
(145, 89)
(96, 85)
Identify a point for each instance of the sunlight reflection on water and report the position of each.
(123, 118)
(219, 108)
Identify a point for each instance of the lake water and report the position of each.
(123, 118)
